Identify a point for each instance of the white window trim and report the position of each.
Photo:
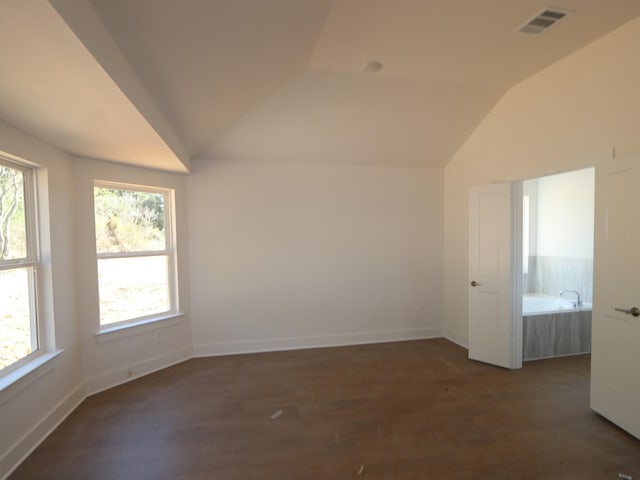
(21, 374)
(173, 316)
(116, 331)
(21, 377)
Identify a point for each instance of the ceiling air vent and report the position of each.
(543, 20)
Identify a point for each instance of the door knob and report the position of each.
(475, 284)
(635, 311)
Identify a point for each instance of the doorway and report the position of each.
(559, 236)
(495, 281)
(557, 267)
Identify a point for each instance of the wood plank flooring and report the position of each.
(406, 410)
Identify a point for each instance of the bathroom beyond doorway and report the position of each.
(558, 228)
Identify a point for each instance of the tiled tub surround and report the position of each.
(556, 330)
(550, 275)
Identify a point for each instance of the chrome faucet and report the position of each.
(578, 302)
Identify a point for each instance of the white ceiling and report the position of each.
(459, 41)
(157, 82)
(53, 88)
(206, 62)
(350, 118)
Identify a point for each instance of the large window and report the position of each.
(136, 253)
(18, 266)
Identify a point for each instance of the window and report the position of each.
(136, 253)
(18, 266)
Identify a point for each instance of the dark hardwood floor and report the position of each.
(407, 410)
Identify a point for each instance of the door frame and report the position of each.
(517, 291)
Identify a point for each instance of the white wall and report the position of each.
(284, 256)
(143, 349)
(288, 255)
(565, 118)
(565, 214)
(36, 403)
(39, 402)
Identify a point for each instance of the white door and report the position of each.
(615, 357)
(495, 271)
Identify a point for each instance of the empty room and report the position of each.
(324, 239)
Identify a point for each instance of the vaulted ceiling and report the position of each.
(158, 83)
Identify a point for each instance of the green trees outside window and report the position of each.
(18, 316)
(135, 252)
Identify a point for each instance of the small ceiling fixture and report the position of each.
(372, 67)
(543, 20)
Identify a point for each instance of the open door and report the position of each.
(495, 274)
(615, 350)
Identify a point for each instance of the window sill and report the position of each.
(116, 332)
(17, 380)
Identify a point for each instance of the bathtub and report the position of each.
(537, 304)
(553, 327)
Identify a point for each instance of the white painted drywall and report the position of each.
(290, 255)
(85, 366)
(565, 215)
(29, 413)
(106, 364)
(565, 118)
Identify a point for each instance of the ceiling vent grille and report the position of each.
(543, 21)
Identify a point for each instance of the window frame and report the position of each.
(170, 251)
(30, 261)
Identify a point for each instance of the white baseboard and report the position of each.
(30, 441)
(299, 343)
(457, 339)
(122, 375)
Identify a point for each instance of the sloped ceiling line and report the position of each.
(89, 29)
(160, 81)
